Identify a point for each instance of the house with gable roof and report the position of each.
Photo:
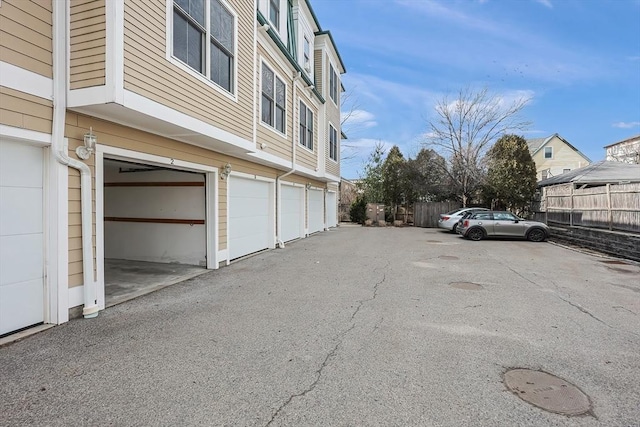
(554, 155)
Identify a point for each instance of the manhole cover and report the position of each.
(547, 392)
(468, 286)
(448, 257)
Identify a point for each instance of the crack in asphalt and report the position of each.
(582, 309)
(339, 338)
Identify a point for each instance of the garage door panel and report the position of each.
(292, 212)
(316, 211)
(242, 228)
(19, 260)
(250, 216)
(332, 207)
(17, 159)
(21, 210)
(21, 304)
(21, 236)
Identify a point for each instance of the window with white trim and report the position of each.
(333, 143)
(205, 42)
(548, 152)
(333, 84)
(306, 126)
(306, 54)
(274, 13)
(274, 99)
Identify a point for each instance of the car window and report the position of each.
(504, 216)
(482, 215)
(453, 211)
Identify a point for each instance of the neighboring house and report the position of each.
(154, 131)
(553, 156)
(627, 151)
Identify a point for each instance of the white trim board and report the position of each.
(25, 81)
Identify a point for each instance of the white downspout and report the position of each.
(279, 241)
(59, 147)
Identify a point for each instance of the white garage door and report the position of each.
(292, 220)
(332, 210)
(21, 236)
(250, 216)
(316, 211)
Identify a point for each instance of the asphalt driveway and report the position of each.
(353, 327)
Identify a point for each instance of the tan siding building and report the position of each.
(553, 156)
(151, 146)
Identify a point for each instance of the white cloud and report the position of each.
(626, 125)
(545, 3)
(358, 119)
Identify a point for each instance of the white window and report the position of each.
(274, 96)
(333, 143)
(306, 54)
(548, 152)
(333, 84)
(274, 13)
(545, 174)
(306, 126)
(566, 170)
(205, 42)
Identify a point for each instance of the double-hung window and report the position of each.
(306, 54)
(274, 13)
(205, 42)
(548, 152)
(306, 126)
(333, 84)
(333, 143)
(274, 96)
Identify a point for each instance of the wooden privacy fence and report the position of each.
(611, 206)
(426, 214)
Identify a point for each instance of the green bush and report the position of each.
(358, 210)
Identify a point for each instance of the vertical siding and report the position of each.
(319, 74)
(25, 111)
(26, 35)
(88, 43)
(150, 74)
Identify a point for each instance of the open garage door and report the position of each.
(251, 222)
(154, 214)
(21, 236)
(316, 210)
(332, 209)
(292, 219)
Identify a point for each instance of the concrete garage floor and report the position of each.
(126, 279)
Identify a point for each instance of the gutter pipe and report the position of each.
(279, 241)
(59, 147)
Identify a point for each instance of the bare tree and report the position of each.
(464, 128)
(349, 108)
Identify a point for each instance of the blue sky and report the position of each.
(578, 61)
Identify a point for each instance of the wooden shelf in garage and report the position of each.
(155, 184)
(156, 220)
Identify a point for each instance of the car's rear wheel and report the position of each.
(536, 235)
(475, 234)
